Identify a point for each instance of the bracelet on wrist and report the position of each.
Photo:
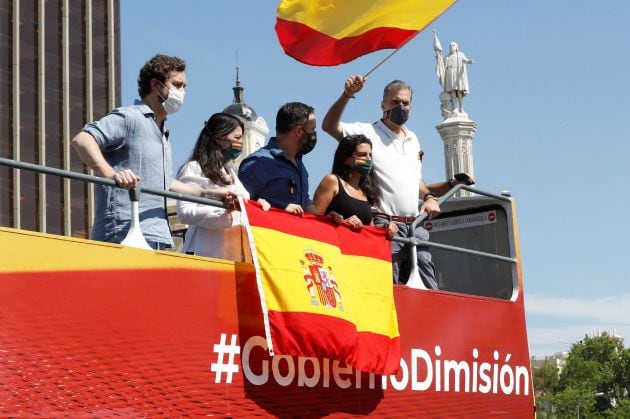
(429, 195)
(451, 183)
(347, 95)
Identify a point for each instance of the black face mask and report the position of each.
(398, 115)
(309, 144)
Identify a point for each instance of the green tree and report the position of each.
(590, 364)
(594, 379)
(572, 403)
(622, 373)
(546, 378)
(545, 384)
(621, 386)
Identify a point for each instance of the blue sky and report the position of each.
(544, 92)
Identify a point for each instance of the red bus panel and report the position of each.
(94, 329)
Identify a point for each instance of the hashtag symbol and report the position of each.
(220, 367)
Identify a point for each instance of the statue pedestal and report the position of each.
(457, 132)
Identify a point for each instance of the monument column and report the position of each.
(457, 130)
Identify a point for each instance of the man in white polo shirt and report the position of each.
(397, 164)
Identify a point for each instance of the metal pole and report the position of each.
(108, 182)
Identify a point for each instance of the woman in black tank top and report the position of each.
(350, 191)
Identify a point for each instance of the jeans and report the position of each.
(159, 245)
(401, 261)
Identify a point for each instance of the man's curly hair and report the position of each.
(158, 67)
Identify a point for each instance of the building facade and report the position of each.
(59, 67)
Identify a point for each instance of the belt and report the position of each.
(397, 218)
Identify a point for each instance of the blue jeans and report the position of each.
(401, 260)
(159, 245)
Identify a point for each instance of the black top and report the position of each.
(347, 206)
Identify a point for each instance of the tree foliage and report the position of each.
(595, 381)
(546, 378)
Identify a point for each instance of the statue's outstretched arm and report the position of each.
(466, 60)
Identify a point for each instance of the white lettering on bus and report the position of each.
(257, 380)
(303, 379)
(424, 373)
(283, 380)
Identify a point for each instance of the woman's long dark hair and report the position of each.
(207, 151)
(346, 147)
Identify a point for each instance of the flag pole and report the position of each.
(379, 64)
(390, 55)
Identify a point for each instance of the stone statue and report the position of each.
(451, 71)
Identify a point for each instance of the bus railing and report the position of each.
(413, 241)
(108, 182)
(414, 279)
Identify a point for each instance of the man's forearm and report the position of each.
(439, 188)
(332, 121)
(423, 189)
(90, 153)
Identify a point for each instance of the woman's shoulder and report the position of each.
(190, 168)
(330, 180)
(191, 164)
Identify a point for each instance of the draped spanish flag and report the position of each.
(332, 32)
(325, 290)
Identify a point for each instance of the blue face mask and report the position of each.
(362, 166)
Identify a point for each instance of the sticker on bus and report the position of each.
(462, 221)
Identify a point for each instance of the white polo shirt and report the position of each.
(397, 165)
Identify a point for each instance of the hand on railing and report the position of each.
(226, 195)
(126, 179)
(431, 207)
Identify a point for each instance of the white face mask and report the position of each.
(174, 101)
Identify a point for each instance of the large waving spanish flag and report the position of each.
(332, 32)
(326, 291)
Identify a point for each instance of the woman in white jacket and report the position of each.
(215, 232)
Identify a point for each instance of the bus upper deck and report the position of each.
(91, 328)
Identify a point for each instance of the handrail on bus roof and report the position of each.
(207, 201)
(417, 242)
(108, 182)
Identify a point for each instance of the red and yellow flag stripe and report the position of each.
(332, 32)
(326, 290)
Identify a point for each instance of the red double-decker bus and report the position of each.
(97, 329)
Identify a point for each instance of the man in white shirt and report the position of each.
(397, 164)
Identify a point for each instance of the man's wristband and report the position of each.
(347, 96)
(429, 195)
(450, 183)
